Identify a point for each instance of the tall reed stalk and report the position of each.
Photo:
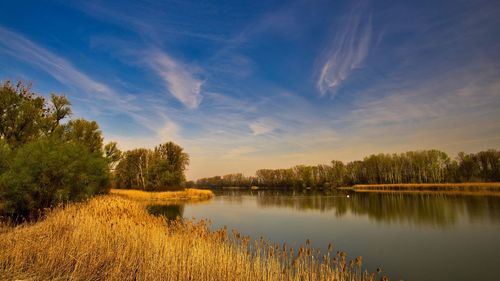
(112, 238)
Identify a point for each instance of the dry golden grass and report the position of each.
(189, 194)
(112, 238)
(489, 187)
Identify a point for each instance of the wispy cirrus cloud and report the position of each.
(237, 152)
(179, 79)
(348, 51)
(101, 98)
(260, 127)
(16, 45)
(150, 20)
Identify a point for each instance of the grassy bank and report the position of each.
(481, 187)
(112, 238)
(190, 195)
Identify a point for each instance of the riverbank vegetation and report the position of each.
(48, 159)
(189, 194)
(415, 167)
(45, 161)
(471, 187)
(111, 238)
(159, 169)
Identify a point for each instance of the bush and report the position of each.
(48, 172)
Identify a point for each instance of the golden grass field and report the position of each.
(481, 187)
(190, 194)
(114, 238)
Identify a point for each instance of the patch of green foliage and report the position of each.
(161, 169)
(48, 172)
(43, 161)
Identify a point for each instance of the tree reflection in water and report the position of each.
(438, 209)
(171, 212)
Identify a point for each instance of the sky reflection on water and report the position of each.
(413, 236)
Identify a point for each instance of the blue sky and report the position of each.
(243, 85)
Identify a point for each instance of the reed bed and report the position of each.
(466, 187)
(112, 238)
(190, 194)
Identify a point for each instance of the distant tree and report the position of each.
(166, 171)
(489, 165)
(131, 170)
(159, 169)
(468, 167)
(337, 174)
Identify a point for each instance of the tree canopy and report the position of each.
(155, 170)
(45, 161)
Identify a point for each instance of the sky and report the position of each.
(245, 85)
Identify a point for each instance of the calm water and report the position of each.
(411, 236)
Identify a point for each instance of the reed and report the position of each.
(190, 194)
(113, 238)
(468, 187)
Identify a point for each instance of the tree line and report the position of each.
(425, 166)
(159, 169)
(47, 159)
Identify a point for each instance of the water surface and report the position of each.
(411, 236)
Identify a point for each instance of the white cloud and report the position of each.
(63, 71)
(23, 49)
(260, 128)
(179, 79)
(239, 151)
(169, 131)
(347, 52)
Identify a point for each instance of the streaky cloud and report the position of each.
(101, 97)
(260, 128)
(178, 78)
(239, 151)
(348, 51)
(63, 71)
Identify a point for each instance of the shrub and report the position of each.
(48, 172)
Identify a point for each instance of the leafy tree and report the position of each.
(169, 163)
(44, 162)
(131, 170)
(159, 169)
(112, 154)
(47, 172)
(86, 133)
(5, 155)
(24, 116)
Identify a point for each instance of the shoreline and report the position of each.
(113, 238)
(472, 187)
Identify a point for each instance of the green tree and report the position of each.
(132, 168)
(44, 162)
(86, 133)
(166, 171)
(112, 154)
(47, 172)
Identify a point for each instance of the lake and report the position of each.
(412, 236)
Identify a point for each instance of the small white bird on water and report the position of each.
(347, 195)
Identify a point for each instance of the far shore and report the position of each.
(471, 187)
(485, 188)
